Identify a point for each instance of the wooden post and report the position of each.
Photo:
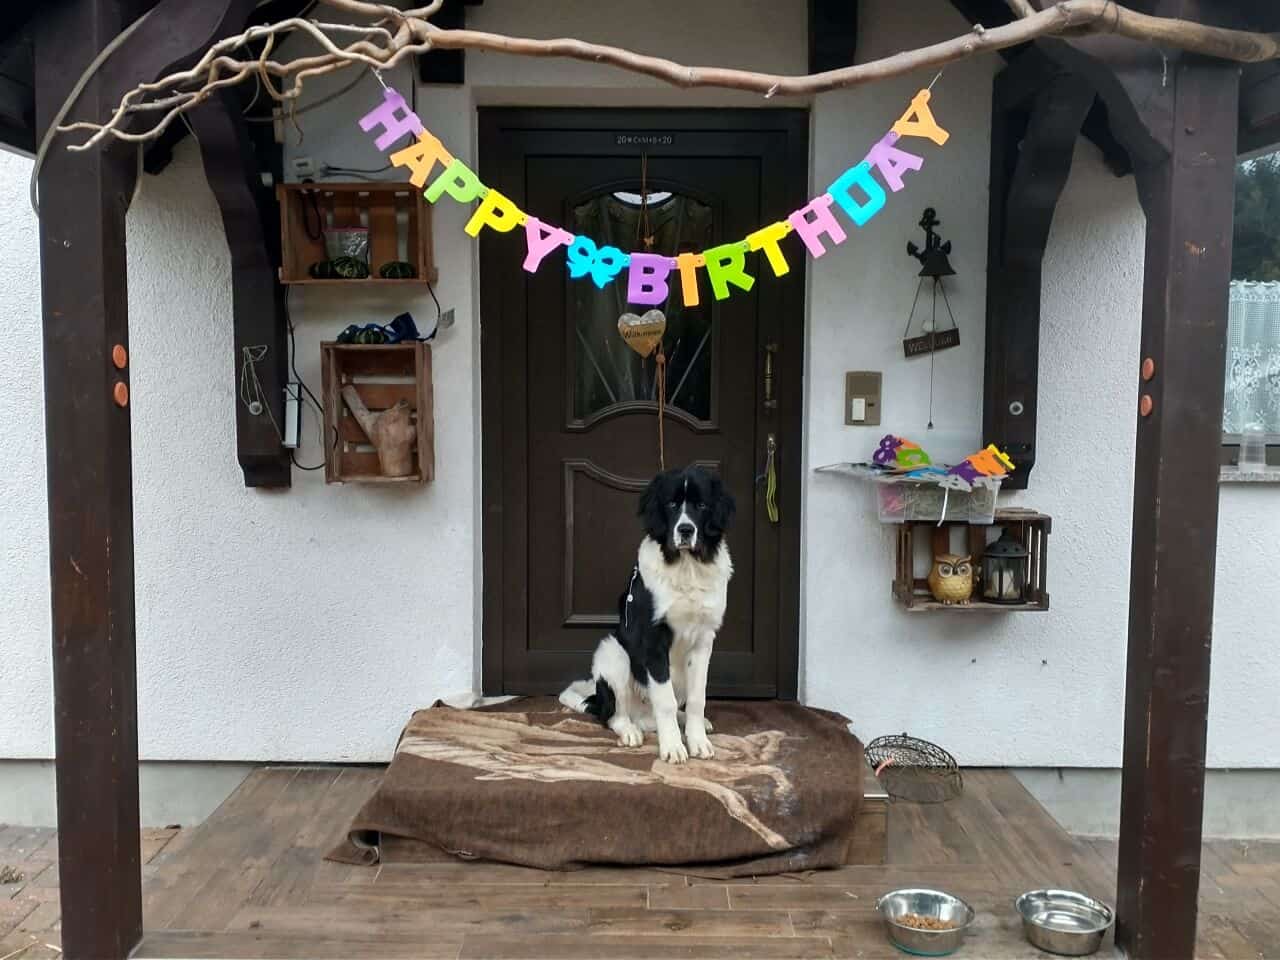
(86, 376)
(1036, 116)
(1188, 198)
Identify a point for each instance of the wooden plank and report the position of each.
(426, 419)
(87, 441)
(253, 945)
(457, 871)
(462, 896)
(1188, 201)
(218, 844)
(640, 922)
(407, 920)
(502, 947)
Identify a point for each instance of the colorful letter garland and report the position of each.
(856, 193)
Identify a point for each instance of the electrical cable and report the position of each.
(293, 366)
(315, 103)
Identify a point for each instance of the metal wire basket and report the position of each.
(914, 770)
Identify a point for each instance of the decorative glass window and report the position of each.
(1251, 406)
(607, 373)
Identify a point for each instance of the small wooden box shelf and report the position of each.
(397, 216)
(382, 374)
(1027, 526)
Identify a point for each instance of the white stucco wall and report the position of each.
(306, 624)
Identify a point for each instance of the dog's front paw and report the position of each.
(699, 745)
(672, 750)
(629, 735)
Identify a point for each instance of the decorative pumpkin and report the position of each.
(349, 268)
(397, 270)
(321, 270)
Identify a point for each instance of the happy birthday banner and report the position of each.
(857, 193)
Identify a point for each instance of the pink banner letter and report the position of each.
(540, 239)
(812, 221)
(892, 162)
(394, 117)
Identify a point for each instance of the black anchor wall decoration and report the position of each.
(934, 265)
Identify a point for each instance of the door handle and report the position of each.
(770, 402)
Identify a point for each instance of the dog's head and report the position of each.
(687, 510)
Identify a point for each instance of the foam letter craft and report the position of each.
(495, 212)
(811, 230)
(647, 279)
(766, 239)
(726, 265)
(394, 117)
(860, 177)
(602, 264)
(540, 239)
(918, 121)
(689, 264)
(422, 157)
(892, 162)
(458, 181)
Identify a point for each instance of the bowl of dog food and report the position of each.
(925, 923)
(1064, 922)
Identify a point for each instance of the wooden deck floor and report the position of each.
(250, 882)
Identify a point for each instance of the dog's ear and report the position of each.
(653, 507)
(722, 507)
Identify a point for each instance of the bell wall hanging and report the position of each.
(934, 265)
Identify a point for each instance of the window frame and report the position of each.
(1231, 442)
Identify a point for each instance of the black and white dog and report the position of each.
(668, 617)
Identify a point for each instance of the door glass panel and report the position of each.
(607, 372)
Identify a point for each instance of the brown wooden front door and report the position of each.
(569, 419)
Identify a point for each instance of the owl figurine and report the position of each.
(951, 579)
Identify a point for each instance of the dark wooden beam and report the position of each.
(1188, 200)
(1035, 66)
(833, 34)
(84, 198)
(1031, 152)
(1259, 107)
(85, 307)
(447, 66)
(252, 224)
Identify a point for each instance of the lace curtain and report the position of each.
(1252, 402)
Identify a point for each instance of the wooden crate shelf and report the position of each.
(383, 374)
(396, 215)
(1028, 526)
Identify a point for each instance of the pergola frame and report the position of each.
(1176, 116)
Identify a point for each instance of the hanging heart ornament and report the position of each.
(643, 334)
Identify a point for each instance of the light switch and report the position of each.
(862, 398)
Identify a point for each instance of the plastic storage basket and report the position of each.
(901, 500)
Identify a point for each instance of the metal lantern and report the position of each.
(1004, 570)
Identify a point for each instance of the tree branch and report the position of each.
(398, 34)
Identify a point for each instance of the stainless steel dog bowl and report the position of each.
(1063, 921)
(925, 903)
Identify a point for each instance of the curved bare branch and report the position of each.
(399, 34)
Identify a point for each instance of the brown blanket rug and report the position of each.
(532, 783)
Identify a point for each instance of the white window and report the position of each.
(1251, 405)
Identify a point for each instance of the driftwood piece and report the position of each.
(401, 34)
(391, 432)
